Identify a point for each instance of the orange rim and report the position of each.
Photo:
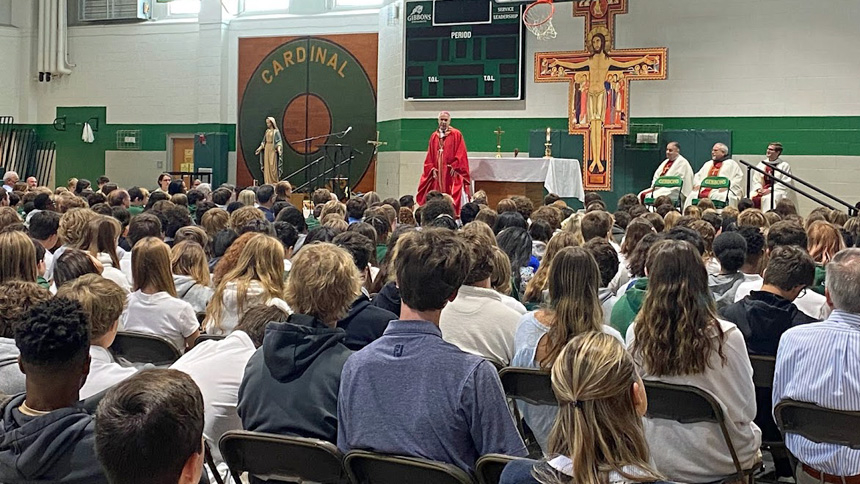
(548, 17)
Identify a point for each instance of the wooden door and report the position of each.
(183, 157)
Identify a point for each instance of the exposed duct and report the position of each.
(52, 42)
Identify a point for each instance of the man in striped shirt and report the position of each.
(818, 363)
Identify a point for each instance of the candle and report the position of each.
(548, 131)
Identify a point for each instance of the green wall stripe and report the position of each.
(799, 135)
(87, 160)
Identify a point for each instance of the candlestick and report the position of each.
(548, 145)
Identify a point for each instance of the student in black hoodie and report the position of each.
(764, 315)
(291, 383)
(364, 323)
(46, 435)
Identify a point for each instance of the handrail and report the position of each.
(852, 210)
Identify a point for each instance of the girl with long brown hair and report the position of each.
(17, 257)
(677, 338)
(573, 308)
(153, 306)
(100, 241)
(597, 436)
(256, 278)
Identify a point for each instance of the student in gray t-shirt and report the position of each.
(411, 393)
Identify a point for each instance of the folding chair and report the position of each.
(666, 182)
(530, 385)
(489, 467)
(818, 424)
(763, 370)
(281, 458)
(688, 404)
(716, 183)
(145, 348)
(365, 467)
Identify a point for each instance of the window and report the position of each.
(254, 6)
(183, 7)
(358, 3)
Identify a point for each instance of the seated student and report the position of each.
(573, 308)
(43, 228)
(47, 435)
(677, 338)
(536, 289)
(396, 391)
(636, 229)
(752, 267)
(477, 321)
(631, 296)
(291, 383)
(825, 241)
(17, 257)
(102, 301)
(217, 367)
(730, 249)
(72, 264)
(153, 306)
(16, 298)
(763, 316)
(140, 227)
(191, 274)
(163, 403)
(816, 363)
(364, 323)
(100, 241)
(387, 294)
(607, 262)
(72, 230)
(500, 280)
(540, 232)
(257, 277)
(598, 436)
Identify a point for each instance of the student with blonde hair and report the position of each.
(573, 308)
(825, 240)
(190, 269)
(256, 278)
(17, 257)
(677, 338)
(153, 306)
(597, 437)
(300, 362)
(242, 216)
(101, 242)
(247, 198)
(74, 227)
(501, 281)
(103, 301)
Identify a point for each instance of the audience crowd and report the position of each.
(375, 324)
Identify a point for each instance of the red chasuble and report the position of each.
(446, 168)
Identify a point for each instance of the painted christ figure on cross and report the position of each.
(598, 64)
(599, 85)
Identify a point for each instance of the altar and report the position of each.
(503, 177)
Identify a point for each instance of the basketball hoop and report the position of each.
(538, 19)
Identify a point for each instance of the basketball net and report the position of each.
(538, 19)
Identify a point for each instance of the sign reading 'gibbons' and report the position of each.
(311, 86)
(469, 49)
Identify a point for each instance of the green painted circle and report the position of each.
(321, 68)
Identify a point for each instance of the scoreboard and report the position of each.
(464, 49)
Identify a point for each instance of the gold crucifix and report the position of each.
(498, 132)
(599, 80)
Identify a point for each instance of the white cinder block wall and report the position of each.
(727, 58)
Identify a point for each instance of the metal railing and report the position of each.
(22, 151)
(852, 209)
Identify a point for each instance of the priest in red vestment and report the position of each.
(446, 167)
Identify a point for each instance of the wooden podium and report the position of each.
(530, 177)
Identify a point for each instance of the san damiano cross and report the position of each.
(599, 79)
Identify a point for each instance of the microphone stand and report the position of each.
(307, 143)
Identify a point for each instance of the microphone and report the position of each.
(347, 130)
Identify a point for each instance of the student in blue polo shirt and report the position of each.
(411, 393)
